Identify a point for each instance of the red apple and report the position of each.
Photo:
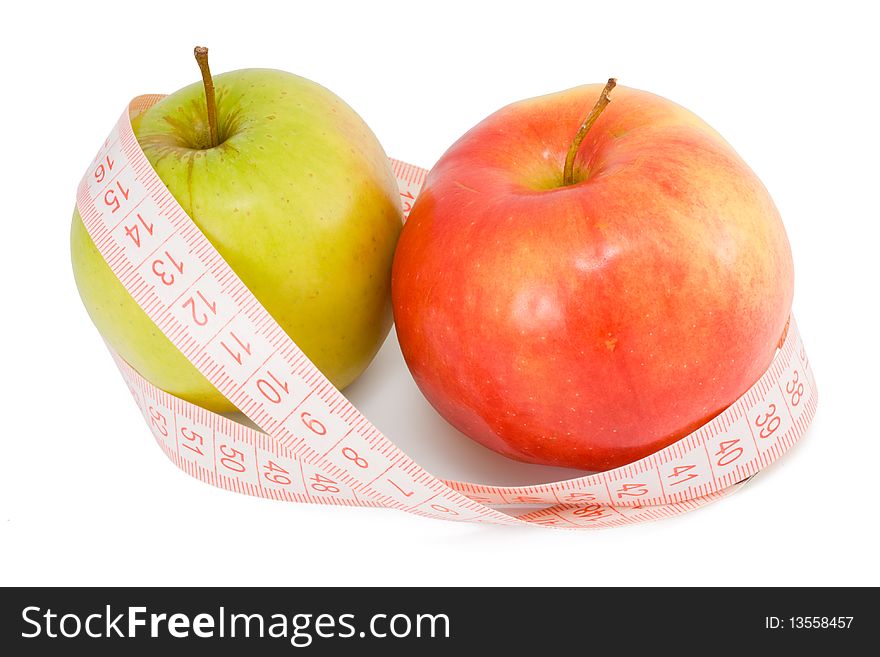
(591, 323)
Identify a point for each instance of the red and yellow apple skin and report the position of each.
(592, 324)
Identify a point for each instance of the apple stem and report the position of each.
(601, 104)
(201, 54)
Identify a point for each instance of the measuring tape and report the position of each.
(314, 446)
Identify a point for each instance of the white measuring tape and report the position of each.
(314, 445)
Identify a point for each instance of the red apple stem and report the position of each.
(601, 104)
(201, 54)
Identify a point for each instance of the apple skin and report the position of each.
(299, 199)
(589, 325)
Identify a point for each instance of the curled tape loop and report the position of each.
(314, 446)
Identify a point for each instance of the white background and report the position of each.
(88, 498)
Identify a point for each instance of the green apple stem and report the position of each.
(601, 104)
(201, 54)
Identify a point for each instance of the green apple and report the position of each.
(298, 197)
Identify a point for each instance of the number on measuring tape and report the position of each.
(276, 474)
(731, 450)
(526, 499)
(231, 458)
(276, 388)
(402, 488)
(770, 419)
(355, 455)
(316, 425)
(201, 307)
(632, 489)
(279, 473)
(795, 389)
(239, 349)
(322, 486)
(104, 169)
(167, 274)
(407, 198)
(161, 421)
(313, 424)
(142, 232)
(794, 385)
(548, 521)
(442, 508)
(585, 493)
(271, 387)
(195, 442)
(120, 197)
(114, 196)
(204, 309)
(635, 490)
(576, 497)
(769, 422)
(235, 459)
(133, 230)
(482, 498)
(171, 269)
(688, 472)
(448, 509)
(587, 514)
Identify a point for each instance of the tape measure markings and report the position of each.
(205, 310)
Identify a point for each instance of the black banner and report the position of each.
(416, 621)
